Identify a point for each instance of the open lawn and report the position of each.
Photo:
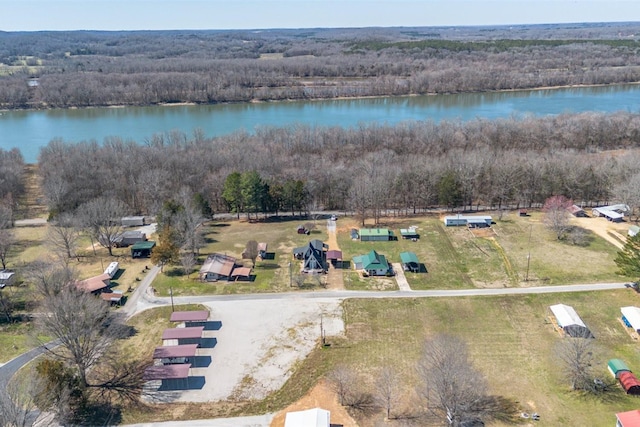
(511, 341)
(456, 257)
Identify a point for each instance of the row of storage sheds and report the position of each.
(174, 359)
(623, 374)
(567, 319)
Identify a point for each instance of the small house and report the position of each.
(410, 262)
(616, 367)
(142, 249)
(6, 278)
(375, 234)
(409, 233)
(133, 221)
(373, 264)
(314, 256)
(217, 267)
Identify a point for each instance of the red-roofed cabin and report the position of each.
(628, 419)
(629, 383)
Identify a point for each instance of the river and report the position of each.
(29, 130)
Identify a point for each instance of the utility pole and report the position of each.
(526, 277)
(171, 294)
(290, 277)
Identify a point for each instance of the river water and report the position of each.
(30, 130)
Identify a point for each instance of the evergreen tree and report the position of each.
(232, 192)
(628, 259)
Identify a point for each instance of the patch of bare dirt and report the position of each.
(613, 232)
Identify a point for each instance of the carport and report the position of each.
(189, 335)
(172, 376)
(170, 354)
(189, 316)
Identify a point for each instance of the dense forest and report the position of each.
(590, 157)
(90, 68)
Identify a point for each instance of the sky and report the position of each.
(36, 15)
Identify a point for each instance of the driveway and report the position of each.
(401, 279)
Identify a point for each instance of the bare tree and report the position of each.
(577, 355)
(251, 251)
(342, 380)
(18, 403)
(63, 234)
(453, 389)
(7, 240)
(84, 327)
(50, 279)
(388, 390)
(102, 220)
(188, 262)
(556, 214)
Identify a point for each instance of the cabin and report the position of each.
(217, 267)
(475, 221)
(314, 256)
(372, 264)
(375, 234)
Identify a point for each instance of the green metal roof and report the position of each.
(617, 365)
(372, 261)
(408, 257)
(148, 244)
(375, 232)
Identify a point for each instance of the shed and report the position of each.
(241, 273)
(631, 317)
(614, 213)
(6, 278)
(633, 230)
(569, 321)
(315, 417)
(129, 237)
(628, 419)
(189, 316)
(114, 297)
(112, 269)
(409, 233)
(142, 249)
(132, 221)
(629, 383)
(577, 211)
(375, 234)
(410, 261)
(354, 234)
(334, 255)
(616, 367)
(262, 250)
(372, 263)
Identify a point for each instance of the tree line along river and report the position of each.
(31, 129)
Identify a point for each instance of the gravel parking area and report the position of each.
(257, 345)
